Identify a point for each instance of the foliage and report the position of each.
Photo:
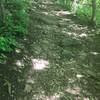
(84, 11)
(13, 25)
(14, 19)
(7, 44)
(63, 43)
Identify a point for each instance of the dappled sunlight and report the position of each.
(83, 35)
(79, 29)
(74, 91)
(62, 13)
(39, 96)
(70, 33)
(30, 80)
(43, 6)
(95, 53)
(75, 34)
(45, 13)
(19, 63)
(71, 80)
(39, 64)
(42, 96)
(18, 51)
(79, 76)
(54, 97)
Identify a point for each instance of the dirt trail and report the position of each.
(56, 57)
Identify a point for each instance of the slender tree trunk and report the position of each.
(2, 11)
(93, 18)
(74, 7)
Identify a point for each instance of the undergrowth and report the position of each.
(13, 25)
(14, 20)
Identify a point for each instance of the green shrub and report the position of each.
(84, 11)
(13, 25)
(7, 44)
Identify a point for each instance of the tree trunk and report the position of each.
(74, 7)
(93, 18)
(2, 11)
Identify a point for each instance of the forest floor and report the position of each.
(60, 57)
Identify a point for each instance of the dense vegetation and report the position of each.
(36, 31)
(86, 10)
(13, 25)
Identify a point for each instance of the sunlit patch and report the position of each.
(74, 91)
(69, 33)
(71, 80)
(94, 53)
(19, 63)
(17, 50)
(62, 13)
(54, 97)
(39, 64)
(46, 13)
(83, 35)
(79, 76)
(65, 19)
(86, 98)
(30, 80)
(42, 96)
(25, 39)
